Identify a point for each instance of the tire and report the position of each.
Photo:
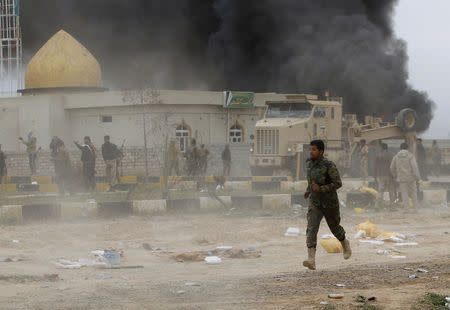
(407, 120)
(261, 171)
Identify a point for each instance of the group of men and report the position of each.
(406, 169)
(196, 159)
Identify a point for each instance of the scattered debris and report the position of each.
(292, 232)
(224, 251)
(63, 288)
(413, 276)
(374, 242)
(191, 257)
(15, 241)
(323, 303)
(192, 284)
(224, 248)
(213, 259)
(331, 245)
(340, 285)
(335, 296)
(398, 256)
(435, 278)
(147, 246)
(406, 244)
(180, 292)
(51, 277)
(422, 270)
(360, 234)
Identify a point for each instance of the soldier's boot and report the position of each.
(310, 263)
(347, 249)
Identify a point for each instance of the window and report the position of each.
(332, 113)
(320, 112)
(106, 119)
(183, 134)
(236, 133)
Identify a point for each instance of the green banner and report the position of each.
(243, 100)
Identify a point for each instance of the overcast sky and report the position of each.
(425, 26)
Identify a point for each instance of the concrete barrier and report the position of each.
(238, 185)
(437, 196)
(71, 210)
(149, 206)
(11, 213)
(246, 202)
(276, 202)
(183, 205)
(212, 204)
(41, 211)
(298, 186)
(115, 208)
(266, 186)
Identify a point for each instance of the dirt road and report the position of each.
(276, 280)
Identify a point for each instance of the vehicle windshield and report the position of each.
(293, 110)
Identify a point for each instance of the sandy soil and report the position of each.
(276, 280)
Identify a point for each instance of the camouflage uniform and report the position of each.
(325, 203)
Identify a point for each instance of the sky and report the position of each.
(425, 28)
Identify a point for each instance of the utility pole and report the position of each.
(144, 125)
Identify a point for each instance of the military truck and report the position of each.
(282, 137)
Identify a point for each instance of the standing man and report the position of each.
(226, 160)
(3, 170)
(63, 167)
(173, 155)
(32, 151)
(421, 157)
(404, 169)
(55, 145)
(383, 176)
(88, 160)
(436, 158)
(364, 159)
(193, 159)
(111, 155)
(203, 154)
(323, 181)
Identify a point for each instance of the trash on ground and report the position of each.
(292, 232)
(360, 234)
(374, 242)
(199, 256)
(370, 229)
(369, 190)
(63, 288)
(359, 210)
(327, 236)
(413, 276)
(398, 256)
(335, 296)
(224, 248)
(213, 259)
(180, 292)
(192, 284)
(191, 257)
(435, 278)
(112, 256)
(383, 252)
(67, 264)
(331, 245)
(422, 270)
(51, 276)
(405, 244)
(15, 241)
(340, 285)
(147, 246)
(323, 303)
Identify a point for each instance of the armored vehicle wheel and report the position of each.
(407, 120)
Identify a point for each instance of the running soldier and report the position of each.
(323, 181)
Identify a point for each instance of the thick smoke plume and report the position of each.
(345, 47)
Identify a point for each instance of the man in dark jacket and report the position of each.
(226, 159)
(421, 158)
(383, 175)
(111, 155)
(2, 164)
(88, 160)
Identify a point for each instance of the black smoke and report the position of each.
(346, 47)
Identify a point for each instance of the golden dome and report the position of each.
(63, 62)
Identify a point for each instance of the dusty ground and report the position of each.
(276, 280)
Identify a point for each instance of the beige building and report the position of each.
(64, 98)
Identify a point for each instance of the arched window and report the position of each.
(183, 134)
(236, 133)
